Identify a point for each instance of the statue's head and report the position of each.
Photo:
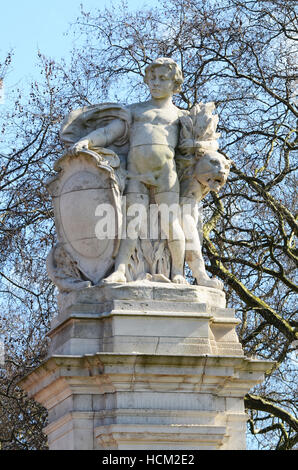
(169, 68)
(212, 170)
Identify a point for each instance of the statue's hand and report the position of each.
(78, 147)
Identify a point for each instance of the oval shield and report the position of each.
(87, 207)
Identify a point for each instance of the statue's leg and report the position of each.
(193, 249)
(137, 204)
(197, 267)
(168, 205)
(193, 252)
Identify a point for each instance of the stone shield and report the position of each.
(86, 194)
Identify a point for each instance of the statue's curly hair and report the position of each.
(172, 65)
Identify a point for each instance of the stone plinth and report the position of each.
(151, 318)
(145, 366)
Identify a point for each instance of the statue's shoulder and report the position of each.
(80, 122)
(137, 107)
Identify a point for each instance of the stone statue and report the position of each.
(144, 154)
(130, 330)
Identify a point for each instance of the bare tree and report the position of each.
(240, 54)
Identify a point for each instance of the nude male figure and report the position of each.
(151, 165)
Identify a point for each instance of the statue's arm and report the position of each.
(101, 137)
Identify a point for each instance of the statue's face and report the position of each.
(160, 82)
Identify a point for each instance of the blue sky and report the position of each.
(29, 25)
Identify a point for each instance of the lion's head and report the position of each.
(212, 170)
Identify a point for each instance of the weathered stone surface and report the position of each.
(145, 401)
(143, 291)
(145, 373)
(189, 323)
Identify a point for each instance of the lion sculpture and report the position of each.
(205, 172)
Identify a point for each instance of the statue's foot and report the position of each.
(144, 277)
(207, 282)
(160, 278)
(179, 279)
(117, 276)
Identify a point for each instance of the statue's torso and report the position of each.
(154, 126)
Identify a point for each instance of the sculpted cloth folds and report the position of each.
(82, 121)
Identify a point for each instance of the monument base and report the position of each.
(145, 366)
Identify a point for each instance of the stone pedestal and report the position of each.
(145, 366)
